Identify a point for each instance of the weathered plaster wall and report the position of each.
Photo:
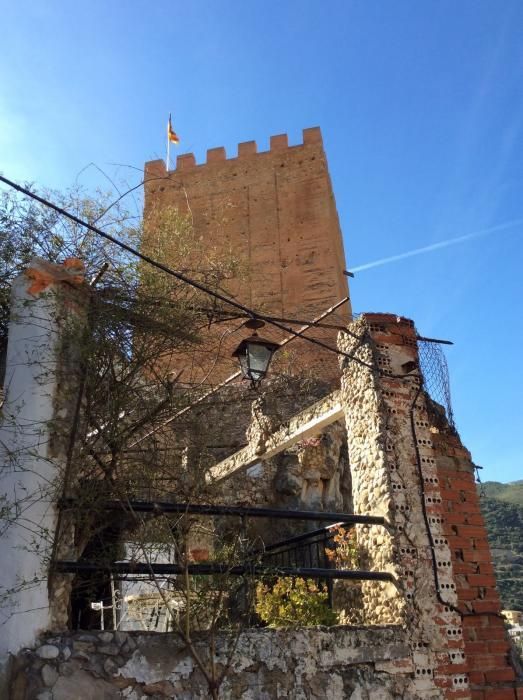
(38, 407)
(314, 663)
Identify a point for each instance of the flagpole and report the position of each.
(168, 160)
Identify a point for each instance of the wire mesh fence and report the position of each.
(436, 376)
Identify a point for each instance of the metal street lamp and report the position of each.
(255, 353)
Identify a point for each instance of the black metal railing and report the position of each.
(310, 549)
(306, 549)
(302, 555)
(156, 508)
(165, 570)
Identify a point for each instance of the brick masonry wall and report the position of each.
(276, 210)
(486, 645)
(411, 466)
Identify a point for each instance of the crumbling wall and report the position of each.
(409, 465)
(313, 474)
(371, 483)
(315, 663)
(487, 647)
(217, 426)
(381, 387)
(444, 639)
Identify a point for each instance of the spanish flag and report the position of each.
(172, 136)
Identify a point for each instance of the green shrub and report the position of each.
(294, 603)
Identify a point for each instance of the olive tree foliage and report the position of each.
(140, 323)
(139, 317)
(133, 436)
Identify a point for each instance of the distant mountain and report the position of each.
(502, 507)
(510, 493)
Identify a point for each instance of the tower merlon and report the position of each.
(154, 169)
(216, 154)
(278, 143)
(247, 148)
(186, 161)
(312, 135)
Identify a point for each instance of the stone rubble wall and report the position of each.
(314, 663)
(371, 488)
(217, 427)
(312, 475)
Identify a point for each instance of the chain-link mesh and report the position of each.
(436, 375)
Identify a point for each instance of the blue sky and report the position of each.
(421, 107)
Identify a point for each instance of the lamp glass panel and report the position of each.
(244, 364)
(259, 358)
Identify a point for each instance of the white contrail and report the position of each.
(436, 246)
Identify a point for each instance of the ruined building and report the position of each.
(367, 440)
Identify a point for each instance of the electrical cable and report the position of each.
(270, 320)
(178, 275)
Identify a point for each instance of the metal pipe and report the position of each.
(163, 507)
(142, 568)
(434, 340)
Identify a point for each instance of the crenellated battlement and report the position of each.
(247, 149)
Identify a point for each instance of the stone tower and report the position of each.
(276, 209)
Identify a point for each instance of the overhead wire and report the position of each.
(250, 312)
(178, 275)
(231, 378)
(221, 297)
